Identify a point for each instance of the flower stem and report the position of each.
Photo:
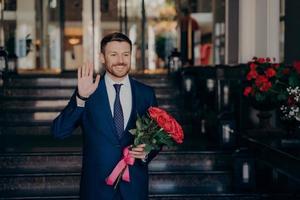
(282, 83)
(119, 178)
(274, 91)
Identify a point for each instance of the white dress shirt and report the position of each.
(125, 96)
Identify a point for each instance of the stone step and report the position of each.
(29, 130)
(46, 162)
(39, 143)
(62, 92)
(11, 104)
(40, 81)
(28, 123)
(40, 118)
(71, 80)
(226, 196)
(40, 130)
(15, 104)
(27, 117)
(190, 196)
(55, 106)
(43, 114)
(72, 84)
(159, 96)
(44, 184)
(31, 142)
(188, 182)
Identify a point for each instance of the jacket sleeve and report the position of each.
(67, 121)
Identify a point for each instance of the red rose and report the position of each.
(260, 80)
(164, 122)
(167, 123)
(154, 112)
(247, 91)
(270, 72)
(177, 134)
(168, 127)
(253, 66)
(276, 65)
(161, 120)
(286, 71)
(268, 59)
(265, 86)
(261, 60)
(252, 75)
(297, 66)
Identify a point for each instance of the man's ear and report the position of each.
(102, 59)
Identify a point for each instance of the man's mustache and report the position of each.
(119, 64)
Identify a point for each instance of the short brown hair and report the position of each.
(116, 36)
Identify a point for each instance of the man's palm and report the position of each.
(85, 84)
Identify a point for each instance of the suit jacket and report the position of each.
(102, 149)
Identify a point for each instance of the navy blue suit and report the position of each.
(102, 149)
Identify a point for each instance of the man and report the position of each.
(106, 109)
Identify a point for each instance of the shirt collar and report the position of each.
(111, 82)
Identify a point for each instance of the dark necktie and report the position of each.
(118, 112)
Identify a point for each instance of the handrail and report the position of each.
(284, 162)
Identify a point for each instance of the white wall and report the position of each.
(25, 25)
(258, 29)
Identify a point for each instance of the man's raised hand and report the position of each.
(85, 84)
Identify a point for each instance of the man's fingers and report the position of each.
(137, 154)
(141, 145)
(86, 70)
(97, 80)
(83, 70)
(140, 149)
(91, 69)
(79, 72)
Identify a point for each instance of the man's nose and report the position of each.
(121, 59)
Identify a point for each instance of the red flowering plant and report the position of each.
(266, 83)
(157, 128)
(154, 129)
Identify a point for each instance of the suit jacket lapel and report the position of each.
(102, 108)
(133, 113)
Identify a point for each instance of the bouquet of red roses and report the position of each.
(155, 129)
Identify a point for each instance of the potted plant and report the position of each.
(265, 89)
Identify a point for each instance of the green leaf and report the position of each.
(147, 120)
(259, 97)
(148, 148)
(136, 141)
(139, 123)
(281, 97)
(294, 80)
(132, 131)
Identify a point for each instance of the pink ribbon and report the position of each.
(123, 164)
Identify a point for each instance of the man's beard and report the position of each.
(114, 72)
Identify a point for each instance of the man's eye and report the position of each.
(113, 54)
(126, 54)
